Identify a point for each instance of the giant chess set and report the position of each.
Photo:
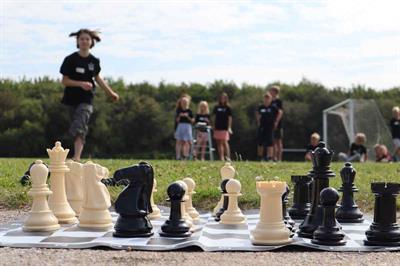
(75, 213)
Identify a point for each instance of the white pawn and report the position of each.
(270, 229)
(189, 203)
(156, 211)
(185, 215)
(96, 200)
(233, 215)
(74, 185)
(40, 218)
(226, 172)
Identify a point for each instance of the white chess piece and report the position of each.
(233, 215)
(156, 211)
(270, 229)
(189, 203)
(58, 200)
(96, 198)
(74, 185)
(226, 172)
(185, 215)
(40, 218)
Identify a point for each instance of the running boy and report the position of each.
(78, 71)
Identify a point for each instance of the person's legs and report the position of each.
(220, 147)
(342, 156)
(203, 145)
(78, 148)
(227, 149)
(270, 152)
(186, 149)
(260, 151)
(178, 148)
(355, 158)
(279, 149)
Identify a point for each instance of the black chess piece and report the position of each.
(225, 202)
(286, 217)
(175, 226)
(330, 232)
(133, 203)
(384, 231)
(110, 182)
(320, 174)
(301, 196)
(348, 212)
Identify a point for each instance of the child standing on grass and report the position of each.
(314, 140)
(268, 117)
(202, 121)
(223, 126)
(357, 151)
(278, 132)
(78, 71)
(183, 133)
(395, 128)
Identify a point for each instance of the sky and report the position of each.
(336, 43)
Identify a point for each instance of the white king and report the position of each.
(58, 200)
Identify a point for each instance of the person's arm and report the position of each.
(258, 117)
(67, 82)
(106, 88)
(307, 157)
(278, 118)
(230, 124)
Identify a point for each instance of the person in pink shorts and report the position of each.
(223, 126)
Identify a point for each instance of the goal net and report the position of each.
(344, 120)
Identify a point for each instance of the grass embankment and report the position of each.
(206, 175)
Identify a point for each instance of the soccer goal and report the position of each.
(342, 121)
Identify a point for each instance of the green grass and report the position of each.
(206, 175)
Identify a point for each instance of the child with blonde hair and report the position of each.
(314, 140)
(183, 132)
(357, 151)
(202, 121)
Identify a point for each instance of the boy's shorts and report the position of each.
(80, 116)
(396, 143)
(265, 137)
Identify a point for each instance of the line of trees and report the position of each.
(141, 124)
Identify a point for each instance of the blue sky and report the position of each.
(337, 43)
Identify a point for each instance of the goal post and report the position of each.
(342, 121)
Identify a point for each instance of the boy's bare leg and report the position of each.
(279, 149)
(270, 151)
(78, 148)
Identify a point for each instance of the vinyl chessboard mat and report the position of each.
(208, 235)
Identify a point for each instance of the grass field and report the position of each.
(206, 175)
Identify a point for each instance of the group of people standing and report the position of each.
(268, 116)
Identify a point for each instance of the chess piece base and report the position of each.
(175, 235)
(193, 214)
(97, 219)
(299, 214)
(270, 234)
(64, 213)
(355, 220)
(328, 243)
(232, 218)
(41, 222)
(132, 226)
(378, 236)
(380, 243)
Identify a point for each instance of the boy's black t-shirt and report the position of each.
(79, 68)
(395, 128)
(267, 116)
(184, 119)
(202, 118)
(277, 103)
(360, 149)
(222, 114)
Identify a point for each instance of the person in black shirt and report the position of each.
(183, 132)
(314, 140)
(223, 126)
(357, 151)
(395, 128)
(278, 132)
(78, 71)
(267, 120)
(202, 121)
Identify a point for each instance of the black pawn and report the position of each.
(301, 196)
(320, 174)
(384, 231)
(329, 233)
(286, 217)
(225, 202)
(175, 226)
(348, 212)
